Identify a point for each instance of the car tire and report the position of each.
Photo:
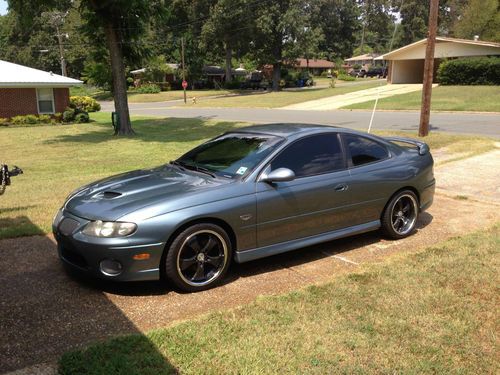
(400, 215)
(198, 257)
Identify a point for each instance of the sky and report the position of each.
(3, 7)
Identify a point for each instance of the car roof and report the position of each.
(284, 129)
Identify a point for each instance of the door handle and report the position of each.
(341, 187)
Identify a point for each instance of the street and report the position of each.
(460, 123)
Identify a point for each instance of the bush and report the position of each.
(4, 121)
(346, 77)
(149, 88)
(44, 119)
(470, 71)
(69, 115)
(24, 120)
(233, 85)
(82, 117)
(84, 103)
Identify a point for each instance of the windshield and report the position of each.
(231, 155)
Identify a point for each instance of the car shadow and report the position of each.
(44, 313)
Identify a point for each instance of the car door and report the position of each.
(314, 201)
(371, 182)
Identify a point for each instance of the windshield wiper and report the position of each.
(193, 167)
(178, 164)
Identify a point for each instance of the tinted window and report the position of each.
(364, 150)
(231, 155)
(312, 155)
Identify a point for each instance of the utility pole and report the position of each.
(61, 52)
(56, 19)
(183, 69)
(425, 112)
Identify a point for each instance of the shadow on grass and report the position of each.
(45, 313)
(153, 130)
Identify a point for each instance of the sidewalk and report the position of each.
(338, 101)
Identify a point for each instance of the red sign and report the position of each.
(184, 84)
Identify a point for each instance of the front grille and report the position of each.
(68, 226)
(73, 257)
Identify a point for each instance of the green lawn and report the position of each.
(279, 99)
(58, 159)
(444, 98)
(431, 312)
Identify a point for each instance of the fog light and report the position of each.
(110, 267)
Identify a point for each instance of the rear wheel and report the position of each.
(400, 215)
(198, 257)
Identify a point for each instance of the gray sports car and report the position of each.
(247, 194)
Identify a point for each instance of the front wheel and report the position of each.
(400, 215)
(198, 257)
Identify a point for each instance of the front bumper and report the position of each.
(84, 253)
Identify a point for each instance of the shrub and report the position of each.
(24, 120)
(470, 71)
(3, 121)
(346, 77)
(85, 103)
(44, 119)
(233, 85)
(69, 114)
(82, 117)
(149, 88)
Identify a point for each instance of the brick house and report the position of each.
(28, 91)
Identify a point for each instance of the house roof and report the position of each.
(315, 63)
(481, 47)
(366, 56)
(173, 66)
(14, 75)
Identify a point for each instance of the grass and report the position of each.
(431, 312)
(279, 99)
(58, 159)
(444, 98)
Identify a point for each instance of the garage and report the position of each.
(406, 64)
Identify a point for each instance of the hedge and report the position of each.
(470, 71)
(84, 103)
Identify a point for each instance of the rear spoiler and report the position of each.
(422, 147)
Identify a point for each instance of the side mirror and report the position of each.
(279, 175)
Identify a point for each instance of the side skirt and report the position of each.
(283, 247)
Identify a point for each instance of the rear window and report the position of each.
(363, 150)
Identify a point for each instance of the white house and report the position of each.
(406, 64)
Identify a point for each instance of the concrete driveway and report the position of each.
(339, 101)
(44, 311)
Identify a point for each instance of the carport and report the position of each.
(406, 64)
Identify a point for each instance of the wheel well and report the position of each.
(411, 188)
(208, 220)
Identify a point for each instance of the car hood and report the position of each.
(113, 197)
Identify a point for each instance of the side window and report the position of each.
(364, 150)
(312, 155)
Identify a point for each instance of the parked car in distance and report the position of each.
(357, 72)
(247, 194)
(378, 71)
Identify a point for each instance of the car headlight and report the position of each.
(109, 229)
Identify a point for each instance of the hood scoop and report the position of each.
(109, 195)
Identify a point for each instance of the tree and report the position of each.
(280, 33)
(121, 22)
(229, 27)
(339, 22)
(480, 17)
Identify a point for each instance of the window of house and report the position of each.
(45, 100)
(364, 150)
(310, 156)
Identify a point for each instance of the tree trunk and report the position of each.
(276, 76)
(119, 80)
(229, 58)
